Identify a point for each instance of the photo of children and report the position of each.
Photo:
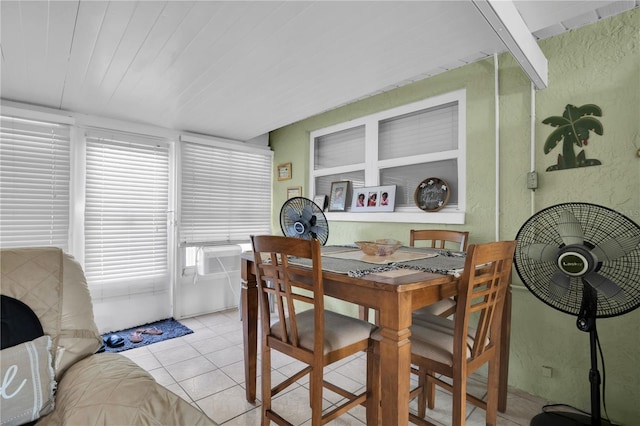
(384, 201)
(373, 199)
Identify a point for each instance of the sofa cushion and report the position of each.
(53, 285)
(27, 382)
(110, 389)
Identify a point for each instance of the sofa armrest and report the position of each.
(109, 388)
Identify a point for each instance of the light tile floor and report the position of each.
(206, 368)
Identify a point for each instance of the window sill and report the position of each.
(444, 216)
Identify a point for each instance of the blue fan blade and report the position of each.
(291, 231)
(292, 214)
(307, 213)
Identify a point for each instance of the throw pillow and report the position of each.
(19, 323)
(27, 383)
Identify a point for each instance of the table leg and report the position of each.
(395, 359)
(504, 353)
(250, 330)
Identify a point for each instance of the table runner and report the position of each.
(445, 262)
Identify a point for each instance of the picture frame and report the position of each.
(284, 171)
(322, 201)
(294, 191)
(374, 199)
(338, 196)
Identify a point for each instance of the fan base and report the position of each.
(559, 418)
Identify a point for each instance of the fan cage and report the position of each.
(298, 204)
(598, 224)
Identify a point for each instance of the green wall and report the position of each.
(597, 64)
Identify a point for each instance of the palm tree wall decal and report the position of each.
(573, 128)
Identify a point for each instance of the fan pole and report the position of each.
(586, 322)
(594, 377)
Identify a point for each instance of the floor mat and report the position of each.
(170, 330)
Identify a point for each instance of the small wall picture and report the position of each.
(374, 199)
(294, 191)
(338, 198)
(284, 171)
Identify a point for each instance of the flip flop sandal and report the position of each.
(152, 330)
(113, 341)
(135, 337)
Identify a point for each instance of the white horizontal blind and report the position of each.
(427, 131)
(225, 194)
(339, 148)
(421, 132)
(127, 187)
(34, 183)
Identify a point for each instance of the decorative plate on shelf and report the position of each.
(432, 194)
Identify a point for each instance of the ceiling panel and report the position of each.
(239, 69)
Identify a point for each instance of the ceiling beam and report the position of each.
(509, 26)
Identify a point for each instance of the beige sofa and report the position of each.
(92, 389)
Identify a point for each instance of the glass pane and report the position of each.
(421, 132)
(339, 148)
(407, 179)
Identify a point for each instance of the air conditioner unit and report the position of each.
(218, 259)
(215, 282)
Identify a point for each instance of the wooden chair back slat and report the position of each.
(439, 238)
(484, 283)
(285, 282)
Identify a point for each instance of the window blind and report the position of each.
(340, 148)
(421, 132)
(428, 131)
(34, 183)
(225, 194)
(126, 206)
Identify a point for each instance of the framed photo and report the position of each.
(374, 199)
(338, 197)
(294, 191)
(322, 201)
(284, 171)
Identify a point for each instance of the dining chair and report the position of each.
(303, 329)
(459, 347)
(439, 238)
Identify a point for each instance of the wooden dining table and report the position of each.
(394, 295)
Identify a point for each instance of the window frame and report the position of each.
(450, 214)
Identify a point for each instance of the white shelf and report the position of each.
(444, 216)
